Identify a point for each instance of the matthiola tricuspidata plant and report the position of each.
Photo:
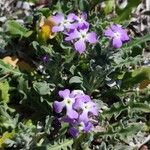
(92, 45)
(117, 34)
(80, 110)
(76, 28)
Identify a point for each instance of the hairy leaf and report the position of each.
(42, 88)
(17, 29)
(4, 89)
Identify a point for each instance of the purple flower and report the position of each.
(117, 34)
(79, 111)
(81, 20)
(77, 93)
(45, 58)
(81, 36)
(73, 132)
(77, 127)
(80, 126)
(85, 126)
(88, 107)
(62, 23)
(67, 103)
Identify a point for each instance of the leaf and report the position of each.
(117, 108)
(42, 88)
(121, 132)
(48, 123)
(17, 29)
(137, 41)
(143, 107)
(124, 14)
(135, 77)
(83, 5)
(110, 5)
(6, 119)
(6, 135)
(4, 89)
(61, 145)
(76, 79)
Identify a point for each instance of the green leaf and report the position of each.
(17, 29)
(135, 77)
(42, 88)
(6, 135)
(83, 5)
(124, 14)
(4, 89)
(117, 108)
(110, 5)
(7, 120)
(61, 145)
(137, 41)
(76, 79)
(143, 107)
(121, 132)
(48, 123)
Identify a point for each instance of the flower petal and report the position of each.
(109, 33)
(88, 126)
(76, 93)
(82, 25)
(116, 42)
(69, 120)
(71, 113)
(73, 132)
(73, 35)
(116, 28)
(80, 46)
(58, 106)
(57, 28)
(78, 104)
(71, 17)
(93, 108)
(84, 116)
(91, 37)
(65, 93)
(83, 15)
(124, 36)
(58, 18)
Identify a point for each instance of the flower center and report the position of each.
(68, 101)
(87, 106)
(83, 36)
(65, 22)
(80, 19)
(117, 35)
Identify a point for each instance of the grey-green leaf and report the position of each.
(76, 79)
(17, 29)
(41, 87)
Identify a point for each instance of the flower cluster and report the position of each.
(76, 29)
(117, 34)
(79, 110)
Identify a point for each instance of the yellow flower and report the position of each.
(46, 28)
(11, 60)
(16, 62)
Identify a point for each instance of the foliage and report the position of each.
(116, 79)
